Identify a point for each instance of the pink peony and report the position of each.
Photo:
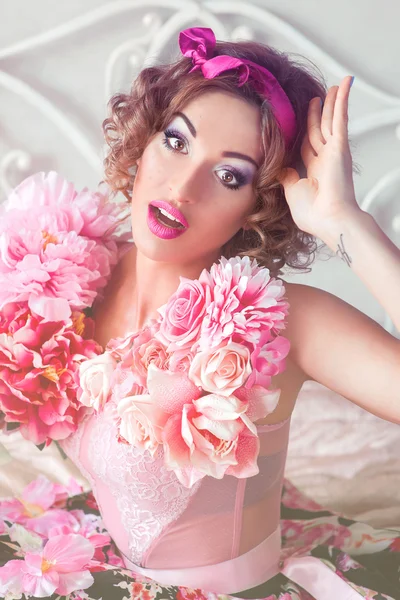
(57, 246)
(183, 314)
(245, 301)
(223, 370)
(211, 436)
(38, 365)
(60, 568)
(95, 376)
(268, 360)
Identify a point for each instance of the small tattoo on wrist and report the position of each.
(341, 252)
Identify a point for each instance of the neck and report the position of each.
(144, 284)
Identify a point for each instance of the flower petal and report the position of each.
(71, 552)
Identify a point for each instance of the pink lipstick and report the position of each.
(165, 221)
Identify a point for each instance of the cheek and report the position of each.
(235, 210)
(151, 170)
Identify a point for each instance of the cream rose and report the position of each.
(94, 379)
(142, 422)
(223, 370)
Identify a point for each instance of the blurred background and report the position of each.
(59, 65)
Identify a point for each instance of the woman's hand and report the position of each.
(319, 202)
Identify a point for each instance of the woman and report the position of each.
(205, 151)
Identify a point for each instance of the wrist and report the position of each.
(347, 227)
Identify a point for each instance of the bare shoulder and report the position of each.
(315, 318)
(339, 346)
(299, 296)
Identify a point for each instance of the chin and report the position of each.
(158, 250)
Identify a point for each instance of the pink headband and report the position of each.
(199, 44)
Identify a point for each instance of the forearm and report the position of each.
(363, 246)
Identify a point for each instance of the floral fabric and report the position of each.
(51, 525)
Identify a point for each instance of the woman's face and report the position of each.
(203, 166)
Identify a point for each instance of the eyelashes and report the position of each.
(238, 175)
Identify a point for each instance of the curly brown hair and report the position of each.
(158, 92)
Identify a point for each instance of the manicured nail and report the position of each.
(352, 80)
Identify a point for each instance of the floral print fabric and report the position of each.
(50, 520)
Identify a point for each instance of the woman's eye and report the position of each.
(174, 141)
(232, 179)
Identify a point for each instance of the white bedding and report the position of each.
(345, 458)
(340, 455)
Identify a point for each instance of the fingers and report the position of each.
(328, 112)
(329, 121)
(341, 115)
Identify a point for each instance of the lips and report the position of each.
(165, 221)
(171, 211)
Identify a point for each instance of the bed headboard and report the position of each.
(58, 68)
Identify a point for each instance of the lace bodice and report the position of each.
(157, 522)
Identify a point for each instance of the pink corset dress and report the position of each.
(174, 534)
(221, 535)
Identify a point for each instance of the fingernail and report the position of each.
(352, 80)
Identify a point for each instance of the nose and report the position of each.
(185, 187)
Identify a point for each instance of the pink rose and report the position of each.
(136, 353)
(153, 352)
(125, 345)
(180, 360)
(211, 436)
(143, 415)
(223, 370)
(95, 376)
(183, 314)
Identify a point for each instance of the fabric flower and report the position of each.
(153, 352)
(143, 416)
(36, 508)
(183, 314)
(95, 376)
(180, 360)
(211, 436)
(260, 401)
(141, 422)
(134, 354)
(57, 246)
(223, 370)
(268, 360)
(38, 364)
(60, 568)
(245, 302)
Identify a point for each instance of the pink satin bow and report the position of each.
(198, 43)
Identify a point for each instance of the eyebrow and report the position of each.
(226, 154)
